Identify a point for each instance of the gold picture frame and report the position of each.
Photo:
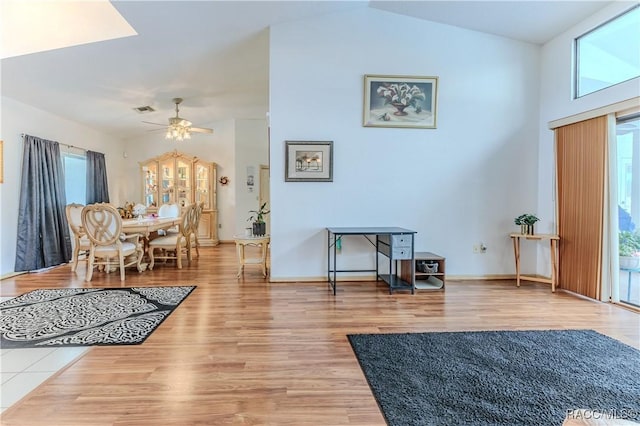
(400, 101)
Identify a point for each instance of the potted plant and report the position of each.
(526, 222)
(257, 217)
(629, 249)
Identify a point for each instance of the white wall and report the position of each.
(252, 149)
(556, 101)
(20, 118)
(217, 147)
(456, 185)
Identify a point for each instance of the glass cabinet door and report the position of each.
(183, 184)
(179, 178)
(150, 179)
(168, 181)
(203, 180)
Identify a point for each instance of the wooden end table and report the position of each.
(242, 242)
(554, 240)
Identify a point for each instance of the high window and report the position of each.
(608, 54)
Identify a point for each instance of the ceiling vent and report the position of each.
(143, 109)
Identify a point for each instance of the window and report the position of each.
(608, 54)
(75, 177)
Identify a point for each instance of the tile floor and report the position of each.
(22, 370)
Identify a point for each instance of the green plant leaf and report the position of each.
(526, 219)
(628, 243)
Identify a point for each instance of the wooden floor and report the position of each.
(252, 352)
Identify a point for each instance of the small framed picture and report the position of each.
(400, 101)
(308, 161)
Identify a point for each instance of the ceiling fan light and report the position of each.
(179, 128)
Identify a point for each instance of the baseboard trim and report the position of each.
(321, 279)
(480, 277)
(372, 278)
(12, 274)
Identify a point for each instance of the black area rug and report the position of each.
(86, 316)
(498, 377)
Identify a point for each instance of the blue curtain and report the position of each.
(43, 232)
(97, 187)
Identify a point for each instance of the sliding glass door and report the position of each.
(628, 185)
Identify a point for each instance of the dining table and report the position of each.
(146, 225)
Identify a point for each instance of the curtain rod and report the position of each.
(60, 143)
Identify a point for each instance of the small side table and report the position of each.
(242, 242)
(553, 247)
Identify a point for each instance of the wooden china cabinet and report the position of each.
(177, 178)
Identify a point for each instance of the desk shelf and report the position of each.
(429, 280)
(397, 248)
(395, 282)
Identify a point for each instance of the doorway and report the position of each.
(628, 191)
(264, 193)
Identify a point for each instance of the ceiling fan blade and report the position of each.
(157, 124)
(201, 130)
(178, 122)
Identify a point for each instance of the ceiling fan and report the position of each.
(179, 128)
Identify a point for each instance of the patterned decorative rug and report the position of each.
(500, 377)
(86, 316)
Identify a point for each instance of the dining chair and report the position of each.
(168, 210)
(81, 243)
(174, 245)
(196, 227)
(103, 226)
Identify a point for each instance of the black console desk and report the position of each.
(394, 243)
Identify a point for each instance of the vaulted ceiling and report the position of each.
(214, 54)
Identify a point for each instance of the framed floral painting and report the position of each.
(308, 161)
(400, 101)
